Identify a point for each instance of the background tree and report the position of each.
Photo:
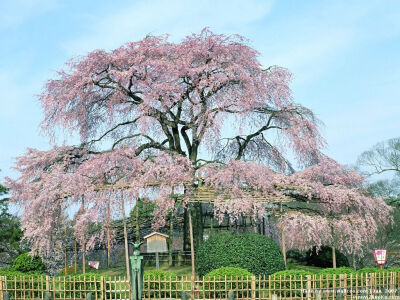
(10, 231)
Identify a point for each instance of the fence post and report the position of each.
(102, 287)
(1, 288)
(318, 295)
(184, 296)
(308, 287)
(231, 295)
(253, 287)
(47, 284)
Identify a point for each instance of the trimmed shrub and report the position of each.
(336, 271)
(256, 253)
(26, 263)
(292, 273)
(160, 281)
(219, 288)
(228, 272)
(370, 270)
(394, 269)
(323, 258)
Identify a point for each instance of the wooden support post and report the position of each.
(157, 261)
(283, 240)
(333, 257)
(108, 234)
(125, 237)
(192, 252)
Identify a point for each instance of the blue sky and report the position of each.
(345, 56)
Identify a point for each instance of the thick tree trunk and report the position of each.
(125, 237)
(333, 257)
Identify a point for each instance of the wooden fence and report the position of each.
(102, 288)
(312, 287)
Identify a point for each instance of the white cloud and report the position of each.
(176, 17)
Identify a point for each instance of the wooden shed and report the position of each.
(156, 242)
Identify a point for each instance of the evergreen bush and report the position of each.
(256, 253)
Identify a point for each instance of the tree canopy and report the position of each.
(155, 117)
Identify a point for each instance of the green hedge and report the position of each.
(256, 253)
(336, 271)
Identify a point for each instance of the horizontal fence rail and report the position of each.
(310, 287)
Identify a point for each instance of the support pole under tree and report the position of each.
(75, 257)
(157, 261)
(125, 236)
(333, 257)
(283, 240)
(192, 252)
(108, 233)
(171, 239)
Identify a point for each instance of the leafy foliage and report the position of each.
(323, 258)
(26, 263)
(336, 271)
(10, 233)
(258, 254)
(228, 272)
(10, 272)
(291, 273)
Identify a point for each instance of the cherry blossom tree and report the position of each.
(154, 116)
